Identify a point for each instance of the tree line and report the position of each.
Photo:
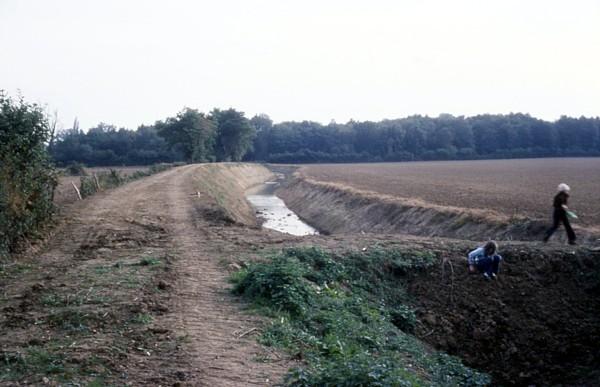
(192, 136)
(227, 135)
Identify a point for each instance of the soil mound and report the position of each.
(334, 209)
(538, 324)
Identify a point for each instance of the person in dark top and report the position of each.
(560, 214)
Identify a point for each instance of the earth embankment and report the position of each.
(536, 325)
(335, 208)
(224, 184)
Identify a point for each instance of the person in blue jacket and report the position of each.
(486, 260)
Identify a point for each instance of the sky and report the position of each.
(129, 62)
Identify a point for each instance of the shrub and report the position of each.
(27, 178)
(76, 169)
(348, 318)
(111, 179)
(279, 282)
(156, 168)
(404, 318)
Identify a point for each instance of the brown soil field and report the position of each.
(523, 187)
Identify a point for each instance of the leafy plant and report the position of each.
(280, 283)
(113, 178)
(348, 317)
(27, 178)
(76, 169)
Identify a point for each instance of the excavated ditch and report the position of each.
(539, 324)
(273, 212)
(334, 208)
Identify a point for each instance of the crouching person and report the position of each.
(485, 260)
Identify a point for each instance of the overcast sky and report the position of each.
(133, 62)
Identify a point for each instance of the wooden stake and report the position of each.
(248, 332)
(77, 190)
(97, 182)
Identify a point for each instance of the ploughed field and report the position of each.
(511, 187)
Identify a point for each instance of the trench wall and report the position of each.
(334, 208)
(226, 184)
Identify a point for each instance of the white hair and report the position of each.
(562, 187)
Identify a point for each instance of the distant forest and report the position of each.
(227, 135)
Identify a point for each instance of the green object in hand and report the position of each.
(571, 215)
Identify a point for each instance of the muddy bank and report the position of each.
(225, 185)
(538, 324)
(335, 209)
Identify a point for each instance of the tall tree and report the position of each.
(234, 134)
(263, 125)
(191, 132)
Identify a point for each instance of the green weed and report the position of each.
(142, 319)
(87, 296)
(72, 319)
(348, 317)
(50, 362)
(150, 261)
(13, 269)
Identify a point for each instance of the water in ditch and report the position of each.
(276, 215)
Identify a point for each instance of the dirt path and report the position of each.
(169, 319)
(222, 346)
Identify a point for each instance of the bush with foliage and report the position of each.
(76, 169)
(89, 185)
(349, 318)
(110, 179)
(27, 178)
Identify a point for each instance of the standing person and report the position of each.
(560, 214)
(485, 260)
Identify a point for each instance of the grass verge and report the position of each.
(86, 327)
(348, 318)
(89, 185)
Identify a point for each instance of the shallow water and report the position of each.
(278, 216)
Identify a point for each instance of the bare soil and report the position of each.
(510, 187)
(538, 324)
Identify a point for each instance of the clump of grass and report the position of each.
(150, 261)
(142, 319)
(13, 269)
(34, 360)
(73, 319)
(91, 296)
(349, 318)
(37, 362)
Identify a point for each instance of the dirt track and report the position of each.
(205, 311)
(199, 335)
